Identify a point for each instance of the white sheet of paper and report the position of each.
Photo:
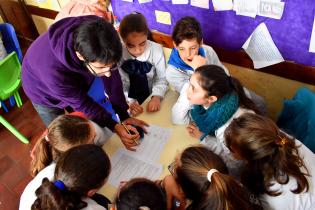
(200, 3)
(222, 5)
(312, 44)
(180, 1)
(152, 144)
(270, 8)
(128, 0)
(261, 48)
(246, 7)
(144, 1)
(126, 167)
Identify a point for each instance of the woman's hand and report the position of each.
(194, 131)
(137, 122)
(129, 140)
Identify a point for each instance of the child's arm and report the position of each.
(180, 111)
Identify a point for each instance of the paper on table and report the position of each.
(126, 167)
(271, 8)
(222, 5)
(200, 3)
(144, 1)
(180, 1)
(163, 17)
(312, 44)
(261, 48)
(152, 144)
(246, 7)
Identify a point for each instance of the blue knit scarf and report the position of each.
(176, 61)
(209, 120)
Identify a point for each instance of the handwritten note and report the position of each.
(271, 8)
(261, 48)
(163, 17)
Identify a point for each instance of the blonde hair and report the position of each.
(65, 132)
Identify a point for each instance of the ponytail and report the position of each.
(42, 156)
(49, 196)
(244, 100)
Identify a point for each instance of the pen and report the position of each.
(128, 131)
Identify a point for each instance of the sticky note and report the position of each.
(163, 17)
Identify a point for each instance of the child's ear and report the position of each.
(212, 99)
(79, 56)
(90, 193)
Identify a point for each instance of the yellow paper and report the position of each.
(163, 17)
(49, 4)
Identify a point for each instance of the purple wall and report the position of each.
(227, 30)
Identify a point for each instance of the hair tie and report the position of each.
(60, 185)
(45, 135)
(282, 141)
(210, 172)
(143, 208)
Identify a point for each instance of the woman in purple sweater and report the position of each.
(60, 66)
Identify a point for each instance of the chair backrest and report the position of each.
(10, 75)
(10, 40)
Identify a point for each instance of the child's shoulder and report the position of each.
(154, 45)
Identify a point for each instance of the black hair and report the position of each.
(97, 41)
(185, 29)
(141, 192)
(134, 22)
(81, 169)
(215, 81)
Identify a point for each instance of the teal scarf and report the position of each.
(209, 120)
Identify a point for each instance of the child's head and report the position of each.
(139, 193)
(187, 37)
(204, 179)
(134, 31)
(64, 132)
(98, 45)
(79, 172)
(269, 153)
(210, 83)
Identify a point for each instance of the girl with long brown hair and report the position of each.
(278, 167)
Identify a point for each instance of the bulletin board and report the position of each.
(225, 29)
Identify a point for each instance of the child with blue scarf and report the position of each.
(142, 67)
(189, 53)
(207, 104)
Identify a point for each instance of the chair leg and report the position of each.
(18, 99)
(4, 107)
(13, 130)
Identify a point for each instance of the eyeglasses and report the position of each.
(97, 71)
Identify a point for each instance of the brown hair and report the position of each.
(134, 22)
(140, 192)
(187, 28)
(223, 192)
(80, 169)
(270, 154)
(215, 81)
(64, 132)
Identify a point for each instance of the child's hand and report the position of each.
(135, 108)
(173, 190)
(194, 131)
(197, 61)
(154, 104)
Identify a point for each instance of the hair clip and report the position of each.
(210, 172)
(143, 208)
(60, 185)
(282, 141)
(45, 135)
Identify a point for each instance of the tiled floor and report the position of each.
(14, 155)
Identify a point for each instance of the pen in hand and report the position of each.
(126, 128)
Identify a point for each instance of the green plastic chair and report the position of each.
(10, 82)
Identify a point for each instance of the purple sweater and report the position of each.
(53, 76)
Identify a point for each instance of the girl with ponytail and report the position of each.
(204, 179)
(75, 180)
(278, 167)
(208, 104)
